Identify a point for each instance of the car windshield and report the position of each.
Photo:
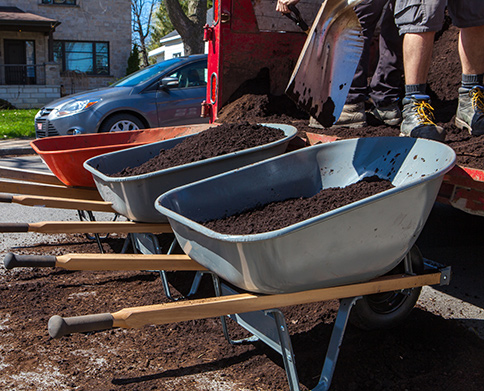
(146, 73)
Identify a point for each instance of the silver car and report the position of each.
(168, 93)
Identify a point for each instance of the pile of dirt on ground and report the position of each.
(424, 353)
(280, 214)
(217, 141)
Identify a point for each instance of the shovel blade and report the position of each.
(326, 66)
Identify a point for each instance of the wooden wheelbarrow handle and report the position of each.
(180, 311)
(29, 176)
(167, 262)
(69, 227)
(49, 190)
(60, 203)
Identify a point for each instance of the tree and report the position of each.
(142, 13)
(133, 61)
(162, 24)
(189, 24)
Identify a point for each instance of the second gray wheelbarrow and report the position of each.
(134, 196)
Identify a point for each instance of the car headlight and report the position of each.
(74, 107)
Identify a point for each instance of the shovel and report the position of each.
(324, 71)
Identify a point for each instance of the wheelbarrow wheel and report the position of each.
(388, 309)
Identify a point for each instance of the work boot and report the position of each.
(470, 111)
(418, 119)
(353, 115)
(390, 115)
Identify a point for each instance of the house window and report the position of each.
(91, 58)
(175, 55)
(60, 2)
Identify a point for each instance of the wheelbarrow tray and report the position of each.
(134, 196)
(354, 243)
(65, 155)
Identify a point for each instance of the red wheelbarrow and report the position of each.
(65, 155)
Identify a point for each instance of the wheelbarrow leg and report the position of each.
(335, 343)
(149, 244)
(268, 326)
(90, 217)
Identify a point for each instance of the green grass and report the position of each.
(17, 123)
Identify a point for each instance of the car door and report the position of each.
(180, 104)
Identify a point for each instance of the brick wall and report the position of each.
(29, 97)
(89, 20)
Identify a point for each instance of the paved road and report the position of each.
(14, 213)
(454, 238)
(450, 237)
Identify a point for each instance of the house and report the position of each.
(171, 45)
(52, 48)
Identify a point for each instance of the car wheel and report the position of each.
(121, 122)
(388, 309)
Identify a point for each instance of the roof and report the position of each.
(174, 33)
(14, 19)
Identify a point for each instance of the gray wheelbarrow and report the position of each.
(351, 244)
(134, 196)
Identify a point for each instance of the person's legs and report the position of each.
(369, 13)
(417, 56)
(353, 114)
(418, 119)
(386, 82)
(469, 17)
(470, 111)
(418, 21)
(471, 50)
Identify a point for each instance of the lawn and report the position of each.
(17, 123)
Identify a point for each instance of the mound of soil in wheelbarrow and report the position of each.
(277, 215)
(217, 141)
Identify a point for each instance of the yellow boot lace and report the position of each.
(477, 99)
(425, 112)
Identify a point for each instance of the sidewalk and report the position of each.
(16, 147)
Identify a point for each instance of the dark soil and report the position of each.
(425, 353)
(217, 141)
(277, 215)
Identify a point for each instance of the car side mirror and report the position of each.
(169, 82)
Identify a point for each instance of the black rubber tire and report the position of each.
(387, 310)
(121, 122)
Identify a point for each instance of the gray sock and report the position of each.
(470, 81)
(415, 89)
